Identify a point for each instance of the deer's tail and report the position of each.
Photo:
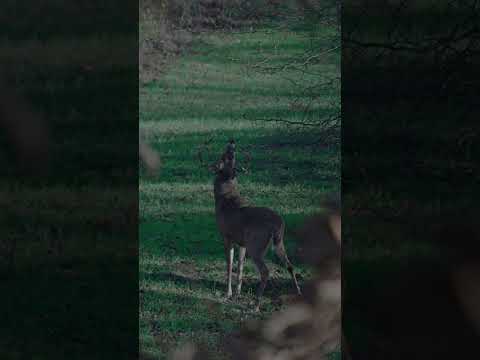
(279, 248)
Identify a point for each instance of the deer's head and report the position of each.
(225, 171)
(225, 167)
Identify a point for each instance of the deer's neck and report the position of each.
(227, 195)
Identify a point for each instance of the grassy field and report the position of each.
(209, 94)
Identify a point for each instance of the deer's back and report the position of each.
(236, 222)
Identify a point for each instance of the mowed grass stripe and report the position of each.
(153, 129)
(165, 199)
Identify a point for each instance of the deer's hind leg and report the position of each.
(257, 246)
(241, 261)
(264, 275)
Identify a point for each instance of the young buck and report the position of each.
(253, 229)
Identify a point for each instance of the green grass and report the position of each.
(205, 95)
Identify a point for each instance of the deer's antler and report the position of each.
(248, 159)
(201, 149)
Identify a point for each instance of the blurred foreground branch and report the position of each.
(149, 157)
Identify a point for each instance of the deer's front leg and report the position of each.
(229, 258)
(241, 261)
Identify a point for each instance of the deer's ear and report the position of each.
(335, 222)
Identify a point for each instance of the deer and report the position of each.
(252, 229)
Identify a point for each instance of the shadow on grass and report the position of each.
(275, 287)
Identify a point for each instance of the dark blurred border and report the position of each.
(410, 83)
(69, 165)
